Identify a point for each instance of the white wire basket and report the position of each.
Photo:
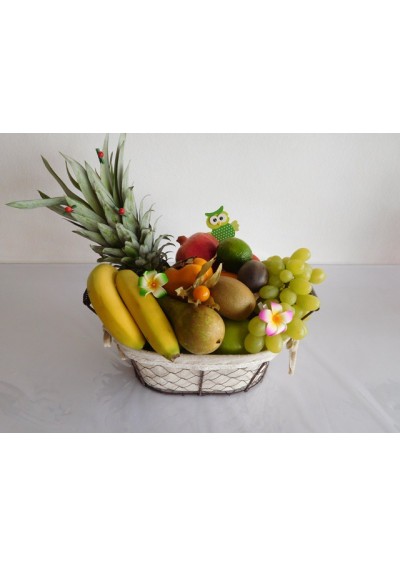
(201, 374)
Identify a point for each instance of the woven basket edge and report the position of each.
(201, 362)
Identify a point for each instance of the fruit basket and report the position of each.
(208, 321)
(198, 374)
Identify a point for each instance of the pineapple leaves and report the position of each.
(130, 222)
(91, 235)
(123, 233)
(60, 210)
(105, 173)
(131, 249)
(119, 169)
(161, 238)
(74, 183)
(111, 215)
(129, 261)
(56, 208)
(109, 234)
(84, 210)
(141, 206)
(165, 246)
(118, 261)
(148, 241)
(125, 183)
(129, 219)
(97, 249)
(85, 222)
(144, 218)
(102, 208)
(100, 191)
(155, 224)
(114, 252)
(85, 185)
(36, 203)
(63, 186)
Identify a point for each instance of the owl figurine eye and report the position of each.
(220, 225)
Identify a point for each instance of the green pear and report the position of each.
(199, 329)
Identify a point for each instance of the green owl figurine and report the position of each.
(220, 226)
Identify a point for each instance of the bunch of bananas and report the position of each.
(132, 319)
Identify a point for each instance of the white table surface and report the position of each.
(55, 375)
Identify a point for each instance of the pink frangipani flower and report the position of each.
(276, 319)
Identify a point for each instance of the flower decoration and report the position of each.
(152, 282)
(276, 319)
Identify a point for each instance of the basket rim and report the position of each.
(199, 361)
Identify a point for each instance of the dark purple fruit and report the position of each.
(253, 274)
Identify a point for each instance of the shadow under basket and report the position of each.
(201, 374)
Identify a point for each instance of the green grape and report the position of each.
(317, 276)
(275, 280)
(295, 266)
(257, 327)
(300, 286)
(296, 329)
(286, 260)
(286, 276)
(299, 311)
(301, 254)
(274, 265)
(284, 336)
(253, 344)
(274, 344)
(274, 259)
(269, 292)
(307, 271)
(286, 306)
(288, 296)
(308, 302)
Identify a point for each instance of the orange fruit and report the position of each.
(201, 293)
(186, 276)
(201, 262)
(229, 275)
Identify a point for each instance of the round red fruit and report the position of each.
(200, 245)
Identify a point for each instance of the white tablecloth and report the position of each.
(55, 375)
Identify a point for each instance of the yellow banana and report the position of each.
(111, 309)
(148, 315)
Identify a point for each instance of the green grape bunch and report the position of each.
(290, 284)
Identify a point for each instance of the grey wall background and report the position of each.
(338, 194)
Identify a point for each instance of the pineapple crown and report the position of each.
(103, 208)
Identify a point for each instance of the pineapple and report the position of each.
(104, 210)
